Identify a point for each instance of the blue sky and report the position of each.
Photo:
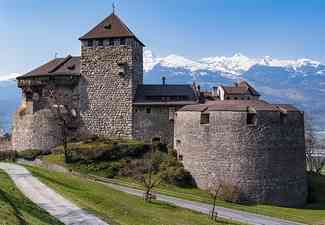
(32, 31)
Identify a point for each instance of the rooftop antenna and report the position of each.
(56, 55)
(113, 6)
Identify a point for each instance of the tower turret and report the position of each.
(111, 70)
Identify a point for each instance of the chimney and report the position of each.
(164, 81)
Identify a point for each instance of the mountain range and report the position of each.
(300, 82)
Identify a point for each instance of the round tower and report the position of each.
(256, 147)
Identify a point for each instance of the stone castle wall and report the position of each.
(154, 122)
(34, 124)
(35, 131)
(106, 95)
(266, 162)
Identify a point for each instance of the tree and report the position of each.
(149, 178)
(315, 162)
(64, 117)
(215, 192)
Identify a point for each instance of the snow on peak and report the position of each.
(234, 65)
(11, 76)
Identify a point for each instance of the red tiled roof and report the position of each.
(110, 27)
(60, 66)
(242, 88)
(235, 105)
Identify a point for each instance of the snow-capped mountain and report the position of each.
(300, 82)
(235, 65)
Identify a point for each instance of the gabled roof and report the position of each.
(110, 27)
(152, 94)
(242, 88)
(69, 65)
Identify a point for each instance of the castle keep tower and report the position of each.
(111, 70)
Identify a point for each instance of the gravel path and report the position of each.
(64, 210)
(236, 215)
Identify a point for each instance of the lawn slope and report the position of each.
(116, 207)
(16, 209)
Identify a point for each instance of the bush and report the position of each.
(173, 172)
(178, 176)
(8, 155)
(30, 154)
(230, 193)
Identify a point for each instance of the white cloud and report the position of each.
(11, 76)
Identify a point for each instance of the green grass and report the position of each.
(16, 209)
(117, 207)
(311, 214)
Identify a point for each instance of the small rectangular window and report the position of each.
(283, 118)
(100, 42)
(148, 110)
(205, 118)
(90, 43)
(111, 42)
(251, 119)
(180, 157)
(122, 41)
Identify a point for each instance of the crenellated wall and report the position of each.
(266, 162)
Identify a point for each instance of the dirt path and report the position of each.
(64, 210)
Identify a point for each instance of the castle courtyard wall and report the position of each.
(266, 162)
(158, 123)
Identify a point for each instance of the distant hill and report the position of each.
(300, 82)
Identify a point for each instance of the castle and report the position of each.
(226, 135)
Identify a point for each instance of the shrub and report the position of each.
(29, 154)
(177, 176)
(113, 170)
(173, 172)
(230, 193)
(8, 155)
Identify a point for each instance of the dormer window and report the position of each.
(108, 26)
(72, 67)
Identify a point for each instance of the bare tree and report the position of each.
(64, 117)
(315, 161)
(149, 179)
(215, 192)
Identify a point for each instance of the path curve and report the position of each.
(64, 210)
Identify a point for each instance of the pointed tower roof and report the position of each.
(110, 27)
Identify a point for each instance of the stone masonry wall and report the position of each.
(159, 123)
(106, 98)
(35, 131)
(34, 124)
(266, 162)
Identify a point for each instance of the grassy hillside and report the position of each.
(119, 208)
(15, 209)
(312, 213)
